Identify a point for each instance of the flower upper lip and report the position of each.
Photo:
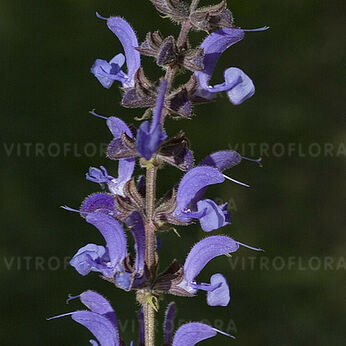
(107, 72)
(237, 84)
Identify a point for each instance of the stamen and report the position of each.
(263, 28)
(71, 297)
(250, 247)
(236, 181)
(100, 17)
(259, 160)
(176, 232)
(63, 315)
(224, 333)
(92, 112)
(70, 209)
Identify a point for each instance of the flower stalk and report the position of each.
(150, 243)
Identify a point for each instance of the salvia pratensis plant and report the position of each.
(128, 204)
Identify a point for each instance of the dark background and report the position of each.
(295, 208)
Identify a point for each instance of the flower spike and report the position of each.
(130, 204)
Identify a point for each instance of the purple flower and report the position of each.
(115, 185)
(110, 260)
(126, 166)
(151, 136)
(108, 72)
(222, 160)
(194, 184)
(188, 334)
(204, 251)
(237, 84)
(189, 203)
(199, 256)
(169, 323)
(97, 203)
(100, 319)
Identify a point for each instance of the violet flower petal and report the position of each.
(126, 166)
(193, 185)
(141, 340)
(238, 85)
(100, 326)
(101, 320)
(214, 216)
(92, 258)
(222, 160)
(98, 203)
(107, 72)
(213, 46)
(124, 280)
(118, 127)
(136, 224)
(190, 334)
(188, 159)
(115, 185)
(113, 234)
(125, 171)
(219, 296)
(242, 90)
(97, 303)
(151, 136)
(157, 112)
(204, 251)
(169, 324)
(126, 35)
(99, 175)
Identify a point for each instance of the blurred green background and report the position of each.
(294, 292)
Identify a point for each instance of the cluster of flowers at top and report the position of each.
(140, 92)
(122, 209)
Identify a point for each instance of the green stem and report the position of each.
(150, 242)
(194, 5)
(150, 208)
(150, 256)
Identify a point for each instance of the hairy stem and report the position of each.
(149, 325)
(150, 255)
(149, 313)
(194, 5)
(150, 208)
(185, 29)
